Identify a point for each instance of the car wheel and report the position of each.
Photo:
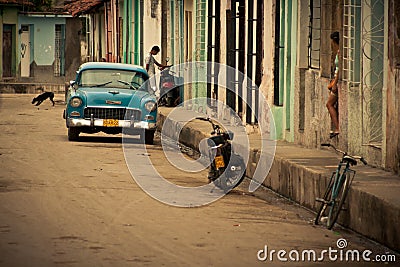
(73, 134)
(149, 137)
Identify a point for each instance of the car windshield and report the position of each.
(110, 78)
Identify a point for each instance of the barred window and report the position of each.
(314, 34)
(59, 58)
(352, 42)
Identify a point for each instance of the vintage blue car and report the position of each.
(110, 97)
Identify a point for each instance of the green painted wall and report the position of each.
(136, 30)
(284, 115)
(292, 38)
(127, 44)
(278, 112)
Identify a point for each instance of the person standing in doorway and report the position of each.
(332, 102)
(150, 63)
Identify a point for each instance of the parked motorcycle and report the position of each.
(169, 92)
(227, 169)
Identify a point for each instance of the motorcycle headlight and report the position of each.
(150, 106)
(75, 102)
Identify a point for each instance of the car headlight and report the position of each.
(75, 102)
(150, 106)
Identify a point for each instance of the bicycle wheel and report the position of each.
(337, 203)
(323, 210)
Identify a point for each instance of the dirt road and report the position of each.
(76, 204)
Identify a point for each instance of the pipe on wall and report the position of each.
(141, 33)
(181, 31)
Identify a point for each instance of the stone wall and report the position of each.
(312, 120)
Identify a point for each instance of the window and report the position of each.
(372, 49)
(351, 42)
(314, 34)
(111, 79)
(254, 58)
(236, 54)
(59, 59)
(213, 48)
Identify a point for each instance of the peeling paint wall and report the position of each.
(393, 89)
(312, 120)
(72, 60)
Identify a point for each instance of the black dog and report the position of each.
(40, 98)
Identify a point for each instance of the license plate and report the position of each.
(110, 123)
(219, 162)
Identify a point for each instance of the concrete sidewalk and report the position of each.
(301, 175)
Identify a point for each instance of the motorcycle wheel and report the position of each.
(234, 174)
(215, 177)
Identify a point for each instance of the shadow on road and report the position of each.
(107, 139)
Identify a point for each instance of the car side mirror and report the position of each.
(73, 84)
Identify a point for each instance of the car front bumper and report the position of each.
(79, 122)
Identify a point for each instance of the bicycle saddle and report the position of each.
(349, 159)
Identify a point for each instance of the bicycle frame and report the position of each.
(339, 177)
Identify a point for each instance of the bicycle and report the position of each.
(338, 187)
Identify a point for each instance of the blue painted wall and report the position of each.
(43, 33)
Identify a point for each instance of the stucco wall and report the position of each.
(42, 41)
(393, 90)
(72, 47)
(152, 29)
(317, 122)
(44, 35)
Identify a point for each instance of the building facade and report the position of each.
(283, 50)
(35, 45)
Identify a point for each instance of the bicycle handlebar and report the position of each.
(338, 150)
(345, 153)
(364, 161)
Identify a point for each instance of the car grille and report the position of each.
(112, 113)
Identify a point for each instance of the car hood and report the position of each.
(113, 97)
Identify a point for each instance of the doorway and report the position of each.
(8, 48)
(25, 51)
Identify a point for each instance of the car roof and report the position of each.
(109, 65)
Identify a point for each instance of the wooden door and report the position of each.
(7, 50)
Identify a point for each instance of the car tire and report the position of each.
(73, 134)
(149, 137)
